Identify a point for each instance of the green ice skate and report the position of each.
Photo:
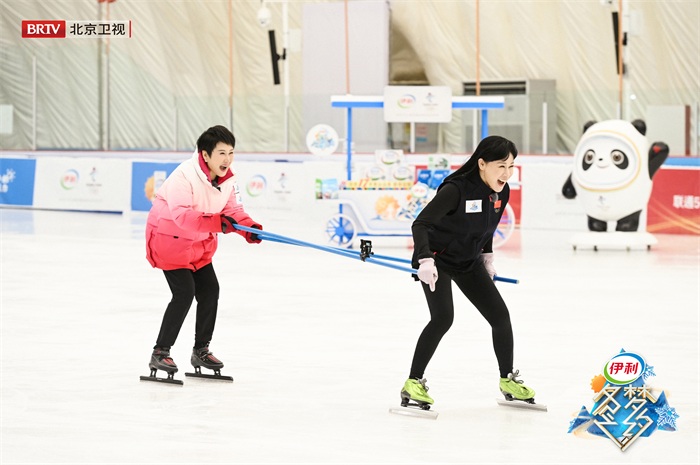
(416, 391)
(514, 389)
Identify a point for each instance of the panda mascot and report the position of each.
(613, 168)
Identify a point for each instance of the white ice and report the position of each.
(319, 346)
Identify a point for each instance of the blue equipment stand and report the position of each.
(377, 101)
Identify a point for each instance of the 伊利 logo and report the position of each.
(625, 407)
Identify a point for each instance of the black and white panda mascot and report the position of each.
(613, 168)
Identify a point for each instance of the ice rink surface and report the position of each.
(319, 346)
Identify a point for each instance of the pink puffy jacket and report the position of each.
(182, 226)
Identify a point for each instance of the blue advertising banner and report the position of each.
(17, 181)
(146, 178)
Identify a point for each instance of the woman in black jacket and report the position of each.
(453, 241)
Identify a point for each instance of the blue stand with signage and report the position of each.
(375, 101)
(409, 104)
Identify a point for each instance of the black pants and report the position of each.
(187, 285)
(480, 289)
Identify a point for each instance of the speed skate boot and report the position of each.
(161, 360)
(415, 394)
(201, 357)
(516, 392)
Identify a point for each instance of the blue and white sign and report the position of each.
(146, 178)
(17, 181)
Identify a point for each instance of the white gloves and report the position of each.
(427, 272)
(488, 264)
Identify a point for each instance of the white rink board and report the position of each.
(90, 184)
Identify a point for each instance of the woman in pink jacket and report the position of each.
(197, 201)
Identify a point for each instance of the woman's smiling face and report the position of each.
(219, 160)
(496, 173)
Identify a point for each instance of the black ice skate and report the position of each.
(161, 360)
(203, 358)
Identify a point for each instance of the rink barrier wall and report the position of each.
(283, 185)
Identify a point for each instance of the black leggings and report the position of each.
(187, 285)
(480, 289)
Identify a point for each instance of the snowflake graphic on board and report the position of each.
(648, 372)
(6, 179)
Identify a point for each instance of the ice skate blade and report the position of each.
(521, 404)
(205, 376)
(176, 382)
(615, 240)
(412, 411)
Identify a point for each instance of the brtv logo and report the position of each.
(43, 29)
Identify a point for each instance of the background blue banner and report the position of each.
(146, 177)
(17, 181)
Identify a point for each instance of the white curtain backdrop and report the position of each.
(173, 78)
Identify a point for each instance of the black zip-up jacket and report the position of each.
(457, 225)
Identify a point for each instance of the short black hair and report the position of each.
(212, 136)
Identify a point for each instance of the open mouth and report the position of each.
(223, 168)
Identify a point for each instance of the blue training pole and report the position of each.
(346, 253)
(375, 259)
(405, 260)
